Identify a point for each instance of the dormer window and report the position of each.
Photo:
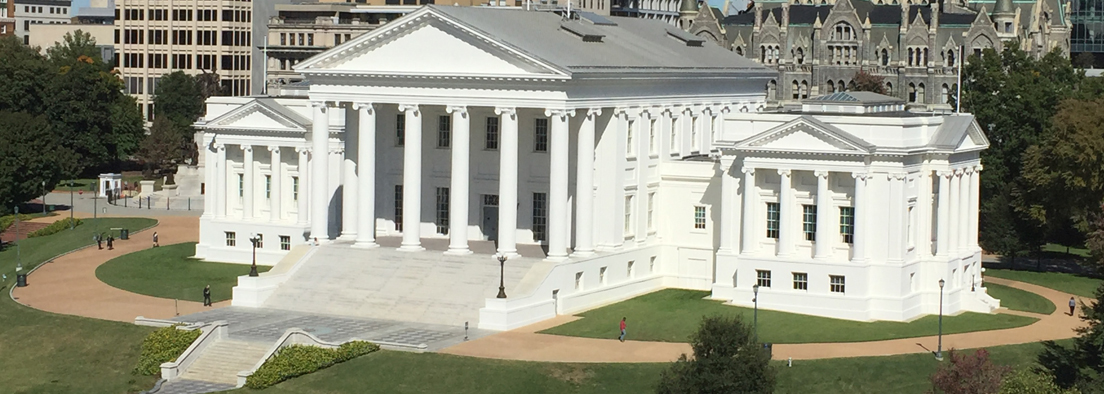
(843, 32)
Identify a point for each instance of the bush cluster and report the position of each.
(297, 360)
(161, 346)
(8, 220)
(55, 228)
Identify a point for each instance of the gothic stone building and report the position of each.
(818, 46)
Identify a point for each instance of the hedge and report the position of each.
(297, 360)
(8, 220)
(161, 346)
(54, 228)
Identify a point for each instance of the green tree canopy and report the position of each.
(72, 47)
(78, 104)
(727, 359)
(162, 146)
(1081, 365)
(29, 155)
(1027, 381)
(25, 74)
(1065, 171)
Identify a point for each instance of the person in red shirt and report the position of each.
(622, 337)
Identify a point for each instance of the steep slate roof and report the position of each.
(632, 45)
(879, 14)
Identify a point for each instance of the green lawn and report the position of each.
(170, 272)
(672, 315)
(1069, 283)
(1074, 250)
(1020, 300)
(42, 352)
(398, 372)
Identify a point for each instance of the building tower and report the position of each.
(1004, 16)
(687, 12)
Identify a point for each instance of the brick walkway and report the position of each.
(69, 285)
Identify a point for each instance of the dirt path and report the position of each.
(69, 285)
(525, 344)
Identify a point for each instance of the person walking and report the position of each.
(622, 337)
(155, 239)
(110, 242)
(1072, 305)
(99, 240)
(207, 296)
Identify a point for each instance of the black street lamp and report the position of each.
(501, 276)
(939, 348)
(253, 269)
(71, 208)
(18, 262)
(755, 291)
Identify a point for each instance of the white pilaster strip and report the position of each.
(858, 246)
(584, 186)
(750, 244)
(786, 210)
(507, 182)
(320, 172)
(557, 189)
(824, 233)
(944, 214)
(249, 182)
(275, 202)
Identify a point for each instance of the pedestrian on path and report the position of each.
(207, 296)
(110, 242)
(622, 337)
(155, 244)
(99, 240)
(1072, 305)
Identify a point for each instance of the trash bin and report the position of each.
(21, 280)
(124, 234)
(767, 348)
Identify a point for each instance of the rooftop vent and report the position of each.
(587, 33)
(595, 18)
(690, 39)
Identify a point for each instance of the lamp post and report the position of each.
(44, 193)
(939, 348)
(755, 321)
(254, 239)
(18, 262)
(501, 276)
(71, 202)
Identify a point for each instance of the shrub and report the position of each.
(969, 374)
(55, 228)
(1027, 381)
(297, 360)
(161, 346)
(8, 220)
(727, 359)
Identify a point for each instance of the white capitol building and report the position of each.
(631, 155)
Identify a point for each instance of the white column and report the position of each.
(275, 203)
(247, 195)
(366, 176)
(221, 189)
(728, 207)
(557, 188)
(412, 180)
(584, 186)
(944, 214)
(749, 218)
(954, 219)
(459, 192)
(923, 213)
(350, 189)
(964, 210)
(898, 218)
(320, 172)
(786, 210)
(975, 193)
(303, 198)
(858, 240)
(824, 225)
(508, 181)
(210, 177)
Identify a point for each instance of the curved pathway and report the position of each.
(526, 344)
(69, 285)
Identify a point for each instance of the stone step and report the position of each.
(221, 362)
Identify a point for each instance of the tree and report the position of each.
(867, 82)
(726, 360)
(1027, 381)
(1081, 365)
(1084, 60)
(72, 47)
(29, 155)
(25, 74)
(127, 127)
(78, 105)
(969, 374)
(162, 147)
(180, 99)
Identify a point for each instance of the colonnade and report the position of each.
(219, 188)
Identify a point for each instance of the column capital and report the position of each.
(220, 147)
(944, 173)
(593, 112)
(958, 171)
(337, 151)
(364, 105)
(461, 109)
(900, 176)
(968, 170)
(508, 111)
(246, 148)
(978, 168)
(566, 113)
(302, 150)
(726, 108)
(859, 175)
(409, 107)
(784, 171)
(748, 170)
(274, 149)
(821, 173)
(320, 104)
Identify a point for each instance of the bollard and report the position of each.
(465, 331)
(148, 201)
(189, 203)
(139, 202)
(125, 201)
(167, 204)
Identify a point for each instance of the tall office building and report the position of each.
(32, 12)
(157, 37)
(1087, 18)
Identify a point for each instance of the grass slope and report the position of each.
(1074, 284)
(170, 272)
(399, 372)
(41, 352)
(1020, 300)
(672, 315)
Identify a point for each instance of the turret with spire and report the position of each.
(1004, 16)
(687, 12)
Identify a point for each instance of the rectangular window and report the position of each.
(260, 241)
(808, 221)
(699, 217)
(442, 210)
(674, 136)
(847, 224)
(578, 281)
(629, 269)
(772, 220)
(268, 186)
(629, 138)
(295, 188)
(540, 216)
(398, 208)
(241, 185)
(491, 140)
(285, 242)
(602, 276)
(400, 129)
(231, 238)
(628, 214)
(763, 278)
(801, 281)
(651, 265)
(283, 38)
(540, 135)
(651, 211)
(837, 283)
(444, 131)
(911, 231)
(652, 137)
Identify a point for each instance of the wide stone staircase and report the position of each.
(221, 362)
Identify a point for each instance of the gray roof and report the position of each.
(951, 132)
(633, 45)
(857, 97)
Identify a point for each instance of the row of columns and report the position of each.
(217, 172)
(958, 191)
(359, 190)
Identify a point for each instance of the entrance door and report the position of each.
(490, 217)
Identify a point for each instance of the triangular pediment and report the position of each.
(973, 139)
(806, 135)
(428, 43)
(260, 115)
